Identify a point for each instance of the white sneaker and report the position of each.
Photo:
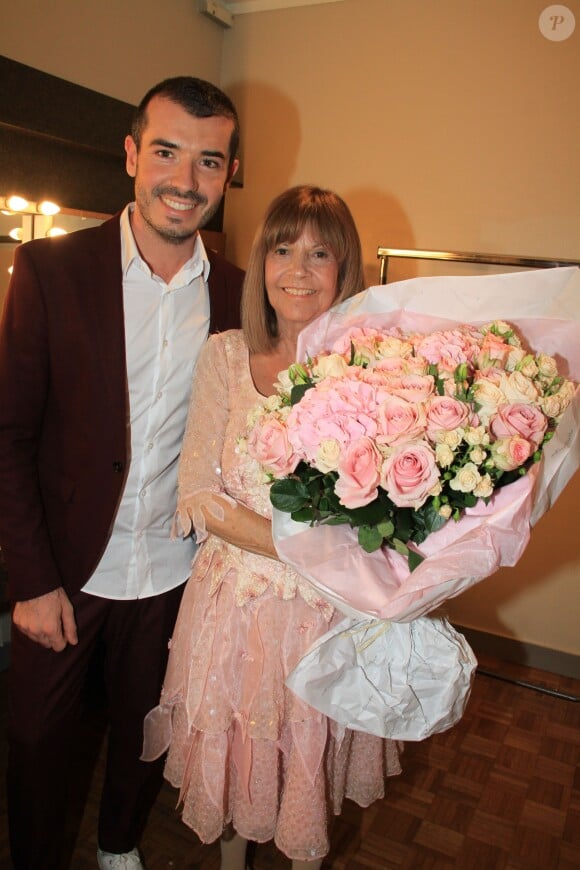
(126, 861)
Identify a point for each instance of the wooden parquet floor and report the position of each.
(500, 791)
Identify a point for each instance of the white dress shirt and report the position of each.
(165, 328)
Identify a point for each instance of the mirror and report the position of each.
(36, 226)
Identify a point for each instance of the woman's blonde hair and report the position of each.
(329, 219)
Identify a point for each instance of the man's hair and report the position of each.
(198, 97)
(329, 219)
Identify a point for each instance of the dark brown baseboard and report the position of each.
(528, 654)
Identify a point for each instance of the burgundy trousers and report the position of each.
(45, 706)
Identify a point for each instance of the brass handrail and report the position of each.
(383, 255)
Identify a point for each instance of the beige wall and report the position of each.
(449, 124)
(117, 47)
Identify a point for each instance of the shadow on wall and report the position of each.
(270, 140)
(551, 553)
(381, 220)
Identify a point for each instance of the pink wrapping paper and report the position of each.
(545, 308)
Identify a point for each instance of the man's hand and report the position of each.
(48, 620)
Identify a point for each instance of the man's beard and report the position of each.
(177, 234)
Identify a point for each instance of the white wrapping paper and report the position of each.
(404, 681)
(370, 685)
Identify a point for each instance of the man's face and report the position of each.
(181, 170)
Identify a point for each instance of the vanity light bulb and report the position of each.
(10, 269)
(46, 207)
(56, 231)
(16, 234)
(16, 203)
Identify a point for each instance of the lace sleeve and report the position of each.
(201, 453)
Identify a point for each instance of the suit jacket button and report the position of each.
(118, 466)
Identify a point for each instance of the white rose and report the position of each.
(273, 403)
(444, 455)
(255, 415)
(283, 384)
(517, 388)
(547, 366)
(477, 455)
(476, 436)
(392, 346)
(437, 489)
(466, 479)
(327, 455)
(331, 366)
(551, 406)
(514, 358)
(528, 366)
(484, 488)
(453, 438)
(362, 356)
(445, 511)
(500, 328)
(488, 397)
(566, 393)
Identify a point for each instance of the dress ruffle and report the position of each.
(242, 748)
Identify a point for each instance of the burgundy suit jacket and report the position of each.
(64, 431)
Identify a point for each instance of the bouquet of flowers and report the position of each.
(396, 432)
(390, 445)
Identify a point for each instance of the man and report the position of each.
(98, 342)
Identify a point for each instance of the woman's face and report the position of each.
(301, 281)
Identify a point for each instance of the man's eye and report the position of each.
(211, 164)
(164, 152)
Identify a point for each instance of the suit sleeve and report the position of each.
(24, 384)
(225, 289)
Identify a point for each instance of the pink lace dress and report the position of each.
(242, 748)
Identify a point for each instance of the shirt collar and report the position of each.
(197, 264)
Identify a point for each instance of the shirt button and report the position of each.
(118, 466)
(159, 394)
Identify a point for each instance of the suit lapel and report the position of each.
(105, 302)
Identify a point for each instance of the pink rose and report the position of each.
(409, 474)
(445, 412)
(400, 421)
(268, 444)
(510, 453)
(358, 474)
(494, 352)
(519, 419)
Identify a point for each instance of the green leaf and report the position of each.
(386, 528)
(298, 391)
(369, 538)
(404, 523)
(288, 495)
(336, 520)
(400, 547)
(414, 559)
(304, 515)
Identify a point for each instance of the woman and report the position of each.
(252, 760)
